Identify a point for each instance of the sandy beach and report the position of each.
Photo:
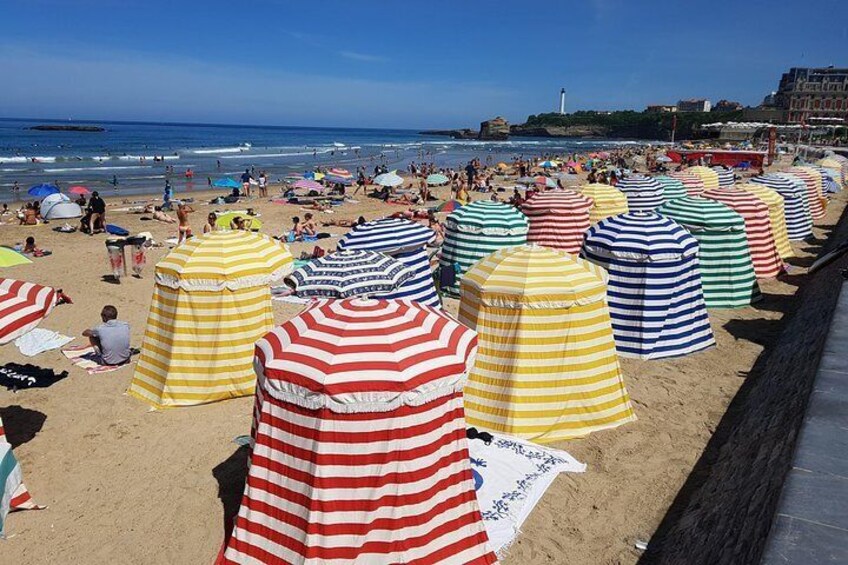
(128, 485)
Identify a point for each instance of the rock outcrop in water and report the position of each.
(68, 128)
(464, 133)
(495, 129)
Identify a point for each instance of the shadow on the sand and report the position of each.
(21, 424)
(231, 475)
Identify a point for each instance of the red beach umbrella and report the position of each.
(79, 190)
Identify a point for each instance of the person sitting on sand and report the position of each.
(111, 339)
(241, 224)
(28, 216)
(438, 227)
(30, 248)
(296, 232)
(309, 226)
(345, 223)
(462, 194)
(211, 223)
(183, 210)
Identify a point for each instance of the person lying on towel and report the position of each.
(111, 339)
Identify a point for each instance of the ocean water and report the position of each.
(120, 160)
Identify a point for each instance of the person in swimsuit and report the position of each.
(210, 224)
(183, 210)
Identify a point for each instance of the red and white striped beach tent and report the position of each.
(359, 452)
(22, 307)
(692, 183)
(14, 495)
(758, 230)
(558, 219)
(813, 181)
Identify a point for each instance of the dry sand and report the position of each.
(127, 485)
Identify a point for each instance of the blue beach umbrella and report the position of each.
(349, 273)
(335, 179)
(226, 182)
(42, 190)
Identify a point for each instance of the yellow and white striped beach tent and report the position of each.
(606, 201)
(777, 216)
(706, 174)
(546, 366)
(211, 303)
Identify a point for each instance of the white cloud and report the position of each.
(362, 57)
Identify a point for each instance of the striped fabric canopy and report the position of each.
(558, 219)
(672, 187)
(708, 176)
(359, 452)
(546, 368)
(691, 182)
(406, 241)
(839, 169)
(812, 180)
(607, 201)
(474, 231)
(727, 273)
(829, 183)
(349, 273)
(726, 177)
(799, 222)
(761, 242)
(643, 193)
(654, 290)
(777, 216)
(14, 494)
(198, 344)
(22, 307)
(224, 259)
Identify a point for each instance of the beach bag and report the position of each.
(116, 230)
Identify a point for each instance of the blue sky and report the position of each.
(397, 63)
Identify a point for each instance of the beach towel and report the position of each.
(15, 376)
(13, 494)
(85, 357)
(116, 230)
(510, 476)
(40, 340)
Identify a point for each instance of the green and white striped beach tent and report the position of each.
(727, 273)
(476, 230)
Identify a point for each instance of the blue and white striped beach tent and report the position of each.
(829, 183)
(406, 241)
(350, 273)
(726, 177)
(654, 292)
(799, 221)
(643, 193)
(672, 187)
(476, 230)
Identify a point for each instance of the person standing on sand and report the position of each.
(97, 209)
(263, 184)
(183, 210)
(245, 182)
(470, 172)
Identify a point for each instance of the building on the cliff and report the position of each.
(694, 105)
(660, 108)
(726, 106)
(806, 93)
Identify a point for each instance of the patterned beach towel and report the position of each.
(14, 494)
(510, 476)
(85, 357)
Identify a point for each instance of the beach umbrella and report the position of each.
(643, 192)
(211, 302)
(557, 219)
(708, 176)
(313, 175)
(79, 190)
(474, 231)
(359, 451)
(350, 273)
(334, 179)
(339, 172)
(22, 307)
(692, 183)
(777, 216)
(837, 168)
(761, 243)
(799, 222)
(388, 179)
(654, 291)
(726, 177)
(42, 190)
(606, 201)
(672, 187)
(526, 180)
(547, 368)
(14, 495)
(225, 221)
(437, 179)
(10, 258)
(448, 206)
(226, 182)
(663, 159)
(549, 164)
(406, 241)
(307, 184)
(812, 180)
(829, 183)
(547, 182)
(727, 273)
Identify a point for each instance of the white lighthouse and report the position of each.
(562, 101)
